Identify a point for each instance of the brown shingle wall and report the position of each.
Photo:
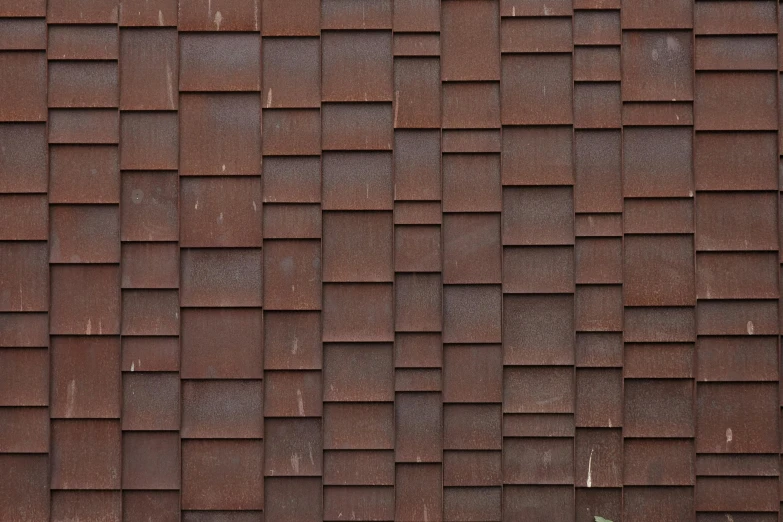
(410, 260)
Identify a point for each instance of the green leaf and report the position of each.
(601, 519)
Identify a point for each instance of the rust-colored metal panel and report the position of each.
(149, 65)
(86, 454)
(219, 62)
(538, 329)
(293, 394)
(356, 14)
(291, 72)
(22, 34)
(221, 277)
(222, 474)
(222, 409)
(208, 333)
(292, 447)
(84, 174)
(151, 401)
(83, 377)
(357, 181)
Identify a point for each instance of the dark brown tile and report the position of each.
(222, 409)
(86, 454)
(85, 377)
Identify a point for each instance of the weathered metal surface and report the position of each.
(414, 260)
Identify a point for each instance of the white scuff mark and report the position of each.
(255, 13)
(750, 328)
(196, 207)
(209, 8)
(610, 423)
(255, 208)
(133, 366)
(160, 17)
(295, 462)
(218, 19)
(295, 346)
(223, 167)
(729, 435)
(729, 518)
(418, 458)
(367, 190)
(100, 327)
(590, 470)
(269, 98)
(220, 219)
(513, 10)
(89, 327)
(310, 451)
(426, 515)
(353, 515)
(300, 403)
(170, 83)
(547, 11)
(70, 398)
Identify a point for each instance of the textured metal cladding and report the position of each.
(536, 89)
(83, 84)
(149, 141)
(82, 42)
(85, 299)
(220, 134)
(538, 329)
(24, 81)
(83, 380)
(472, 373)
(86, 454)
(357, 181)
(151, 460)
(358, 372)
(219, 212)
(24, 380)
(470, 41)
(368, 57)
(84, 234)
(24, 283)
(149, 65)
(356, 14)
(163, 505)
(471, 183)
(150, 265)
(415, 260)
(219, 62)
(208, 333)
(151, 401)
(23, 158)
(84, 174)
(22, 34)
(221, 277)
(293, 394)
(222, 474)
(84, 126)
(218, 409)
